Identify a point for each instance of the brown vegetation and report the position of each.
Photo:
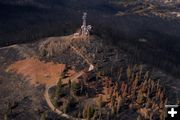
(101, 97)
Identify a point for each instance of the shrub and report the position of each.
(75, 87)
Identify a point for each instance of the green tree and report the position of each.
(66, 106)
(57, 92)
(74, 88)
(90, 112)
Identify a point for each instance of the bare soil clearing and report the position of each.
(38, 72)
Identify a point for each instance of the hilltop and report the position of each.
(21, 64)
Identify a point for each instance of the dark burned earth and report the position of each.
(115, 89)
(133, 77)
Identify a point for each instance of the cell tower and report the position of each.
(84, 19)
(85, 28)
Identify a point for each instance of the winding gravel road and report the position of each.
(65, 81)
(48, 99)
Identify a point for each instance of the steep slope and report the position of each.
(107, 59)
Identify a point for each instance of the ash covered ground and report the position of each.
(133, 32)
(27, 101)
